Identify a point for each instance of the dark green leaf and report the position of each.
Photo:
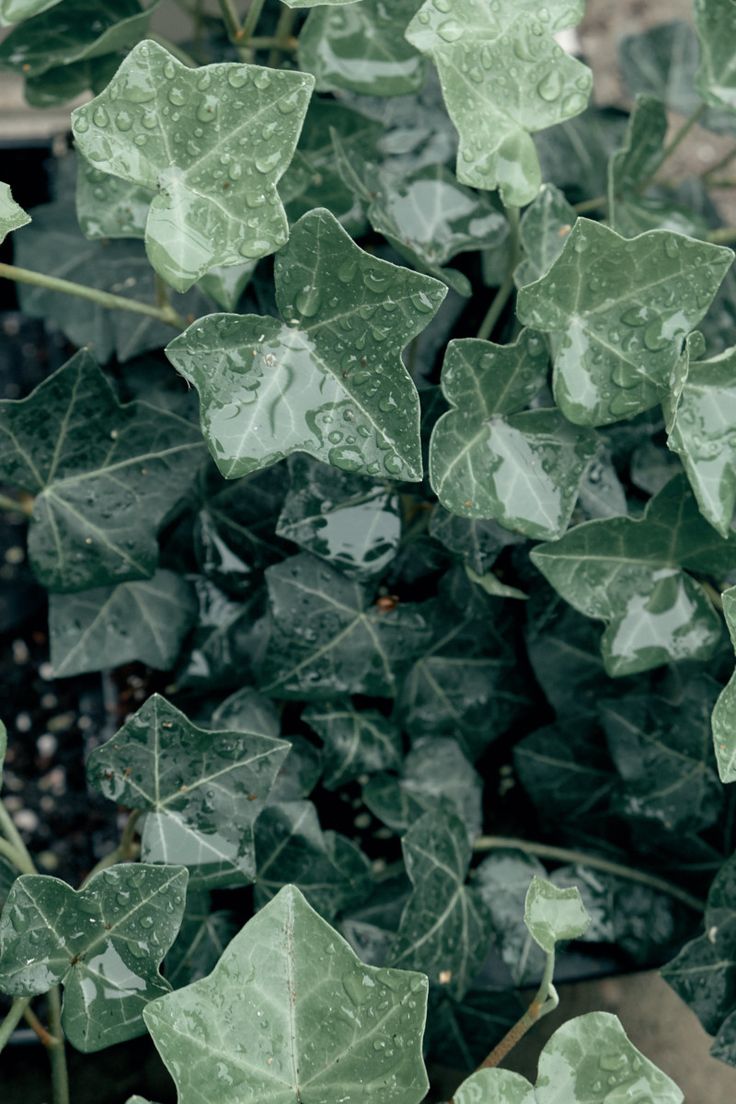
(724, 712)
(202, 938)
(704, 975)
(227, 642)
(542, 233)
(564, 772)
(476, 540)
(716, 82)
(355, 741)
(632, 167)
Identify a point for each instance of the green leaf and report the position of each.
(211, 162)
(355, 741)
(617, 310)
(74, 31)
(3, 749)
(635, 163)
(227, 641)
(65, 82)
(563, 771)
(632, 574)
(13, 11)
(589, 1060)
(110, 626)
(247, 711)
(503, 880)
(352, 522)
(103, 943)
(476, 541)
(445, 927)
(361, 48)
(12, 217)
(704, 974)
(716, 80)
(552, 914)
(491, 459)
(544, 227)
(322, 381)
(315, 3)
(494, 587)
(461, 1033)
(724, 712)
(291, 847)
(105, 476)
(201, 790)
(202, 938)
(266, 1022)
(503, 76)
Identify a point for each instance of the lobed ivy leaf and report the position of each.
(74, 31)
(543, 230)
(322, 381)
(104, 943)
(13, 11)
(716, 79)
(478, 542)
(589, 1060)
(355, 742)
(617, 311)
(12, 216)
(503, 76)
(201, 790)
(724, 711)
(290, 1014)
(633, 574)
(227, 641)
(203, 936)
(212, 143)
(445, 926)
(105, 477)
(361, 48)
(133, 622)
(329, 637)
(553, 914)
(490, 458)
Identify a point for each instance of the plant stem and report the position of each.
(20, 855)
(35, 1025)
(594, 204)
(677, 139)
(562, 854)
(105, 299)
(251, 20)
(270, 42)
(506, 289)
(545, 1001)
(57, 1052)
(231, 19)
(122, 853)
(725, 236)
(284, 29)
(13, 1018)
(16, 506)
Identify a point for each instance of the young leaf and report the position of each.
(105, 476)
(632, 574)
(213, 159)
(503, 76)
(632, 167)
(329, 637)
(12, 217)
(724, 711)
(618, 310)
(267, 1022)
(716, 80)
(361, 48)
(552, 914)
(104, 943)
(496, 1086)
(543, 230)
(201, 790)
(445, 926)
(355, 741)
(489, 459)
(323, 381)
(109, 626)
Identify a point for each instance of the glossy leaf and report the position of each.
(445, 926)
(110, 626)
(198, 217)
(12, 216)
(352, 522)
(227, 641)
(617, 311)
(105, 476)
(503, 76)
(74, 31)
(632, 574)
(724, 712)
(201, 790)
(496, 1086)
(329, 637)
(544, 228)
(290, 971)
(552, 914)
(477, 541)
(202, 938)
(491, 459)
(361, 48)
(355, 741)
(104, 943)
(322, 381)
(716, 81)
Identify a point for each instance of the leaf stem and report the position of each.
(677, 140)
(562, 854)
(231, 19)
(506, 289)
(283, 33)
(35, 1025)
(271, 42)
(12, 1019)
(251, 20)
(595, 204)
(16, 505)
(57, 1052)
(545, 1001)
(724, 236)
(165, 314)
(15, 849)
(122, 853)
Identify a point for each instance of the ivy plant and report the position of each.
(382, 483)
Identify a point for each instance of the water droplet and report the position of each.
(123, 120)
(450, 30)
(308, 301)
(237, 76)
(100, 117)
(550, 86)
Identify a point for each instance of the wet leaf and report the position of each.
(617, 311)
(242, 1029)
(105, 476)
(104, 943)
(134, 622)
(564, 772)
(634, 165)
(724, 712)
(201, 790)
(714, 21)
(503, 76)
(203, 936)
(322, 381)
(12, 216)
(361, 48)
(445, 927)
(478, 542)
(489, 457)
(553, 914)
(633, 575)
(227, 642)
(329, 637)
(543, 231)
(355, 741)
(704, 975)
(198, 218)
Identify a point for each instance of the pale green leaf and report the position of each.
(13, 11)
(355, 742)
(291, 1016)
(724, 712)
(552, 914)
(496, 1086)
(493, 586)
(328, 380)
(633, 165)
(12, 216)
(211, 142)
(715, 21)
(503, 77)
(617, 311)
(543, 230)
